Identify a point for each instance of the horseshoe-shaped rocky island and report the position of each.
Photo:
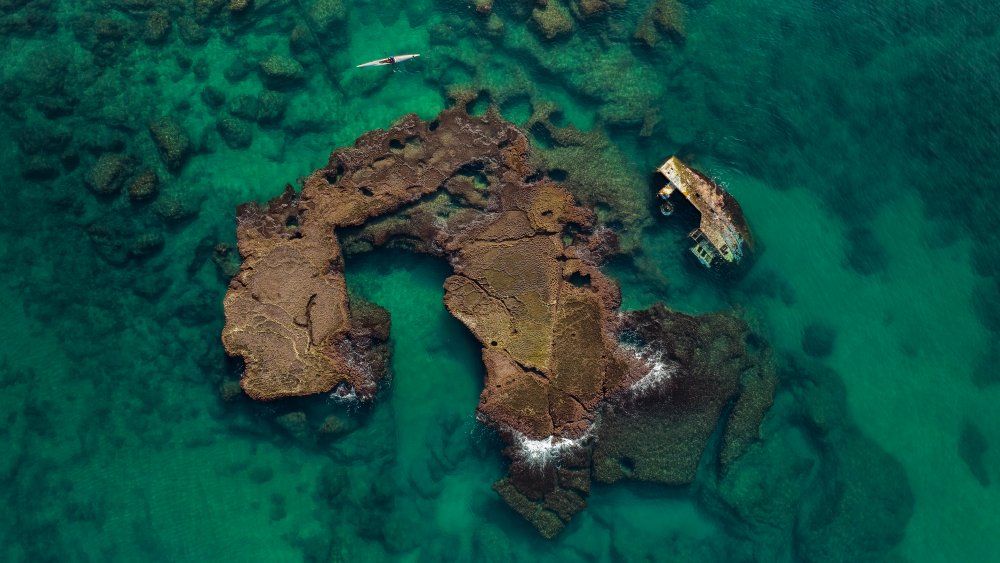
(577, 390)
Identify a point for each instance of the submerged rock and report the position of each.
(173, 209)
(818, 340)
(271, 107)
(972, 446)
(814, 488)
(552, 19)
(664, 16)
(205, 9)
(40, 167)
(865, 254)
(230, 390)
(235, 132)
(172, 142)
(327, 14)
(35, 141)
(192, 32)
(144, 187)
(108, 174)
(864, 505)
(584, 9)
(213, 97)
(495, 26)
(244, 107)
(226, 260)
(156, 28)
(296, 424)
(119, 240)
(279, 72)
(484, 7)
(546, 521)
(146, 244)
(526, 282)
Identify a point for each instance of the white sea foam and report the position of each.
(344, 393)
(659, 369)
(658, 374)
(548, 449)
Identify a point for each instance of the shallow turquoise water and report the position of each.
(859, 138)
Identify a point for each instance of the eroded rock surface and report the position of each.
(525, 282)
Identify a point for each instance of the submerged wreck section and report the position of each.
(722, 238)
(566, 373)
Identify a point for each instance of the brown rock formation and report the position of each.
(666, 17)
(525, 283)
(144, 186)
(553, 19)
(288, 312)
(587, 9)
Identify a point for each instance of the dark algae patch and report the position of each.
(835, 403)
(972, 448)
(818, 340)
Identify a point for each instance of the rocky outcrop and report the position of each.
(172, 142)
(235, 132)
(553, 20)
(584, 9)
(279, 72)
(525, 282)
(108, 174)
(157, 26)
(144, 187)
(664, 16)
(327, 14)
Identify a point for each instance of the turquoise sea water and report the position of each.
(860, 139)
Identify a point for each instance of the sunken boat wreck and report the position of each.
(722, 239)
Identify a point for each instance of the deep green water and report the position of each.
(861, 139)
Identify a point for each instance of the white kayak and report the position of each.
(390, 60)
